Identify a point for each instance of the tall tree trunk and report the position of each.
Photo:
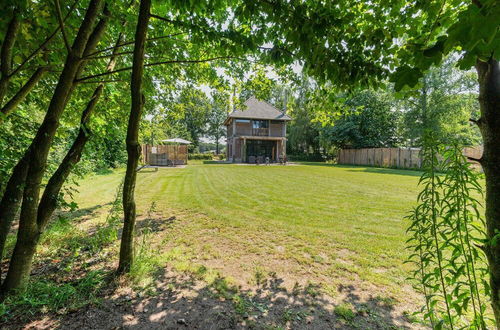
(6, 52)
(489, 124)
(29, 232)
(133, 147)
(48, 202)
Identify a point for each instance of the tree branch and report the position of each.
(7, 109)
(104, 81)
(161, 18)
(158, 63)
(477, 3)
(43, 44)
(132, 42)
(476, 121)
(478, 160)
(61, 25)
(108, 56)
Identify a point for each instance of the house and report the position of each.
(256, 132)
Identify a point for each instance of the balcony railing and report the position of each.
(260, 131)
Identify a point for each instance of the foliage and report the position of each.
(368, 121)
(444, 103)
(446, 230)
(216, 118)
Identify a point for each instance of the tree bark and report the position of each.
(6, 52)
(36, 155)
(489, 124)
(133, 147)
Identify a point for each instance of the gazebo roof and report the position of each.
(177, 140)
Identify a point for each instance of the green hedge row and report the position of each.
(200, 156)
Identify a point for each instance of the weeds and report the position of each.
(345, 312)
(445, 229)
(45, 296)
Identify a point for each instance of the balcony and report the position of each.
(260, 131)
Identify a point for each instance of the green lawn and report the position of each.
(273, 247)
(310, 222)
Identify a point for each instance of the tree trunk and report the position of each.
(489, 124)
(133, 147)
(10, 202)
(37, 153)
(48, 202)
(6, 52)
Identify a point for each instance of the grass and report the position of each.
(344, 222)
(339, 222)
(319, 227)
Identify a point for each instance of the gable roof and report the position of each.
(256, 109)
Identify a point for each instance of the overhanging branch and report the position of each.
(131, 42)
(61, 24)
(159, 63)
(478, 160)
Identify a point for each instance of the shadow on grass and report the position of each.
(184, 301)
(80, 298)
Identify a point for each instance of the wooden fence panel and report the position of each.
(393, 157)
(163, 155)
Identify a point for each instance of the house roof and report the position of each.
(256, 109)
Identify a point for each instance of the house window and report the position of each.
(243, 121)
(260, 124)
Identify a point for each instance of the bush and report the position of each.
(306, 157)
(200, 156)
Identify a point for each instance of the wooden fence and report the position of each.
(392, 157)
(164, 155)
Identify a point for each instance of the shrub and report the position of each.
(306, 157)
(200, 156)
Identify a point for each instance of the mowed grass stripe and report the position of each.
(332, 221)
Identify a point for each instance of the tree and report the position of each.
(217, 116)
(303, 131)
(133, 146)
(443, 104)
(369, 120)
